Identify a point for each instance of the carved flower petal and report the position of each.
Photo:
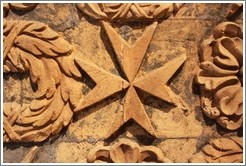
(226, 52)
(125, 152)
(39, 47)
(225, 144)
(231, 122)
(210, 69)
(10, 131)
(41, 31)
(129, 11)
(229, 29)
(229, 98)
(152, 154)
(165, 10)
(93, 10)
(211, 151)
(223, 150)
(63, 119)
(230, 106)
(37, 135)
(237, 50)
(237, 140)
(98, 153)
(208, 109)
(213, 83)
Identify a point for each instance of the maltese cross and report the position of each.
(130, 58)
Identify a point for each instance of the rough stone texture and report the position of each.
(180, 133)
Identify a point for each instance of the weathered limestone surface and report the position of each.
(163, 127)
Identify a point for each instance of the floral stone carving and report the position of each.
(221, 150)
(126, 151)
(130, 58)
(129, 11)
(33, 47)
(221, 76)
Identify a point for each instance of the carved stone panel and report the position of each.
(122, 82)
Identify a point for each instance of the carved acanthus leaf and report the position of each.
(221, 150)
(221, 76)
(129, 11)
(33, 47)
(126, 151)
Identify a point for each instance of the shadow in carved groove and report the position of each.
(111, 52)
(135, 130)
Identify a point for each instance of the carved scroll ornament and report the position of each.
(33, 47)
(221, 150)
(221, 76)
(126, 151)
(129, 11)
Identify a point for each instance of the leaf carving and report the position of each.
(33, 47)
(126, 151)
(221, 75)
(129, 11)
(221, 150)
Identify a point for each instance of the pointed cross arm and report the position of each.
(107, 84)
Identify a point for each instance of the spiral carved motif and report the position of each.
(221, 76)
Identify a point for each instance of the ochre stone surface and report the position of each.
(119, 83)
(221, 75)
(224, 150)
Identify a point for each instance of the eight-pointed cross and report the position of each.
(130, 58)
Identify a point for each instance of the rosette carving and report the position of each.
(126, 151)
(221, 75)
(129, 11)
(33, 47)
(221, 150)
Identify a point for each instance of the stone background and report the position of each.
(180, 134)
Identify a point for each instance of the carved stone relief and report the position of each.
(126, 151)
(221, 150)
(129, 11)
(122, 83)
(33, 47)
(221, 76)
